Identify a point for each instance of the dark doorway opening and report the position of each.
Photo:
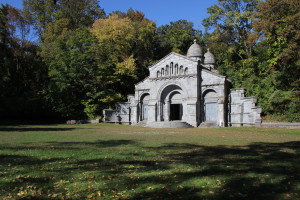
(175, 112)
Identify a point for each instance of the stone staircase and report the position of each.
(167, 124)
(142, 123)
(209, 124)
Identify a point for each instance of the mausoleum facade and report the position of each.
(186, 91)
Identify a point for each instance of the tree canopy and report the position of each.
(83, 60)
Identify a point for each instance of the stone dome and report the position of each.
(209, 58)
(195, 50)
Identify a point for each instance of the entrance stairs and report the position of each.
(167, 124)
(209, 124)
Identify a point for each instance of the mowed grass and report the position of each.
(125, 162)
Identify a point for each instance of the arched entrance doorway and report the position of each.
(171, 105)
(175, 106)
(210, 106)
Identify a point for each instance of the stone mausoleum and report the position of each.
(186, 91)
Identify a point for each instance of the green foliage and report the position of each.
(126, 39)
(256, 46)
(85, 61)
(176, 37)
(91, 109)
(80, 13)
(70, 55)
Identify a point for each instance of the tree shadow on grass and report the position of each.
(258, 171)
(65, 146)
(261, 171)
(13, 160)
(99, 143)
(30, 129)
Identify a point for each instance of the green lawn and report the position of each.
(124, 162)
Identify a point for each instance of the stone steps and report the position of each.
(209, 124)
(142, 123)
(169, 124)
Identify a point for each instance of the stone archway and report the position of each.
(171, 103)
(210, 106)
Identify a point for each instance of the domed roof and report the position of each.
(209, 58)
(195, 50)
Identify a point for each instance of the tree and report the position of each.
(125, 41)
(71, 58)
(279, 24)
(278, 21)
(234, 19)
(78, 12)
(176, 37)
(257, 46)
(21, 73)
(40, 13)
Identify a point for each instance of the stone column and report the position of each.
(133, 111)
(141, 111)
(159, 111)
(221, 112)
(168, 110)
(138, 112)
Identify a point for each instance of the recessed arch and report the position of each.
(210, 102)
(144, 102)
(181, 70)
(186, 70)
(167, 70)
(177, 84)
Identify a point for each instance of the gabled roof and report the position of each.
(213, 73)
(173, 53)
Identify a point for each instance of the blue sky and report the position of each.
(160, 11)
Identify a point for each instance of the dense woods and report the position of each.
(70, 60)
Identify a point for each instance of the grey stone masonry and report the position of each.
(183, 91)
(243, 110)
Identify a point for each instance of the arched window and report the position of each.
(171, 69)
(158, 74)
(167, 70)
(162, 72)
(181, 70)
(186, 71)
(176, 69)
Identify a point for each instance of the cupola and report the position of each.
(209, 58)
(195, 51)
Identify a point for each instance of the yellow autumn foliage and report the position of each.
(127, 67)
(115, 33)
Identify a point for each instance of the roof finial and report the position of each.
(207, 49)
(195, 41)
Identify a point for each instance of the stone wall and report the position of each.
(243, 110)
(121, 115)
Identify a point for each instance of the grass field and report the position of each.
(124, 162)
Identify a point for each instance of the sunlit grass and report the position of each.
(125, 162)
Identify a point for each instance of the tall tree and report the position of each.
(278, 21)
(231, 37)
(40, 13)
(125, 39)
(177, 37)
(21, 72)
(71, 58)
(78, 12)
(234, 19)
